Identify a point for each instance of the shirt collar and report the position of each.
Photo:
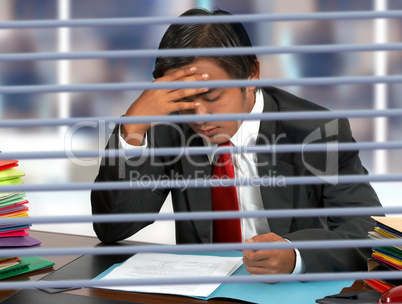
(247, 133)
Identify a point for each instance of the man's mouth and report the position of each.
(209, 131)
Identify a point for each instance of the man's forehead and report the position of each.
(200, 62)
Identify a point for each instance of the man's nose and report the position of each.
(201, 110)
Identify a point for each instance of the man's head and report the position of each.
(211, 35)
(213, 101)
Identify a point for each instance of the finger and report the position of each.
(185, 77)
(268, 237)
(186, 92)
(259, 259)
(253, 263)
(180, 94)
(248, 253)
(178, 74)
(181, 106)
(260, 255)
(260, 270)
(195, 77)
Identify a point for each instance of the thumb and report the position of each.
(268, 237)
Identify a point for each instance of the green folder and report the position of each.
(10, 174)
(13, 199)
(6, 195)
(14, 181)
(13, 270)
(28, 264)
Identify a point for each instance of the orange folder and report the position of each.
(7, 164)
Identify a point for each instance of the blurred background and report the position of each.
(115, 103)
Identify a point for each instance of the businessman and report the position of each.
(273, 196)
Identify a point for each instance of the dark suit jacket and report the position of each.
(274, 197)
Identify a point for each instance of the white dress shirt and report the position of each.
(249, 197)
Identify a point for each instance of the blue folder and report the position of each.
(278, 293)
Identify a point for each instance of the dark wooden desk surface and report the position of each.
(60, 240)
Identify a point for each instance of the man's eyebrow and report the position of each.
(207, 92)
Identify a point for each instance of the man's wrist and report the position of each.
(132, 136)
(124, 145)
(300, 266)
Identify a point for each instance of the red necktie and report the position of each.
(225, 199)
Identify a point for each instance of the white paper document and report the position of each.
(162, 265)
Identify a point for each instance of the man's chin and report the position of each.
(217, 139)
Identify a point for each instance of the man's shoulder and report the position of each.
(288, 102)
(299, 129)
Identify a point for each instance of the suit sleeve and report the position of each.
(136, 169)
(339, 195)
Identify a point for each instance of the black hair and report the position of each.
(209, 35)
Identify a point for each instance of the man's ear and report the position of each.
(255, 71)
(255, 74)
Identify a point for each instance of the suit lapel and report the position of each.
(274, 166)
(199, 199)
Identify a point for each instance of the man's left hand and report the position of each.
(271, 261)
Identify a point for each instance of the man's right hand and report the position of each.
(162, 102)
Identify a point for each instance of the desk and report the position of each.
(59, 240)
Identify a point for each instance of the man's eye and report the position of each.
(183, 100)
(210, 99)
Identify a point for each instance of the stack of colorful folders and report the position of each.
(386, 258)
(388, 228)
(14, 205)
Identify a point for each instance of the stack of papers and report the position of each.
(385, 258)
(388, 228)
(163, 265)
(15, 205)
